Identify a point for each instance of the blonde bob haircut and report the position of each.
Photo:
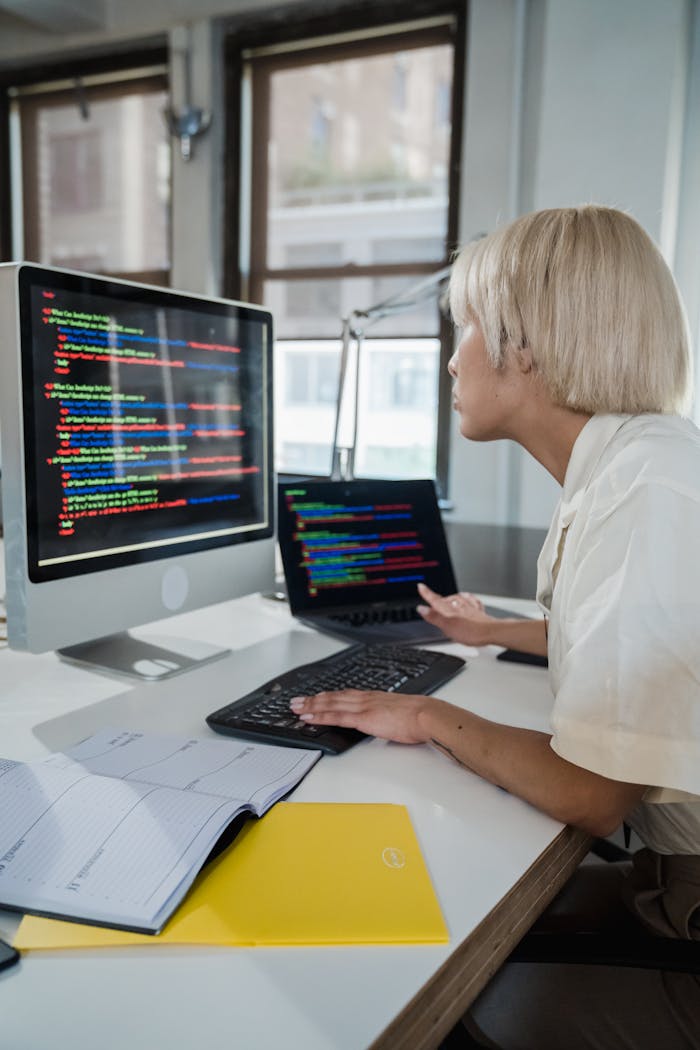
(591, 296)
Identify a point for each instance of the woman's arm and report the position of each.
(519, 760)
(462, 618)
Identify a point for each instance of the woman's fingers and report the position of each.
(461, 616)
(435, 600)
(426, 593)
(444, 606)
(451, 604)
(393, 716)
(329, 705)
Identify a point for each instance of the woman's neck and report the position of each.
(549, 433)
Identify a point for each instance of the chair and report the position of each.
(645, 952)
(642, 951)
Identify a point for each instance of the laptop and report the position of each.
(353, 552)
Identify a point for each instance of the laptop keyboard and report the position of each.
(264, 714)
(373, 617)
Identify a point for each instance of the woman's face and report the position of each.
(484, 397)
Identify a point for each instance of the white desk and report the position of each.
(494, 860)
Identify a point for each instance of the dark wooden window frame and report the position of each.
(310, 23)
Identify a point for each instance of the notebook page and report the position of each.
(232, 769)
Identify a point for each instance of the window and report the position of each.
(443, 103)
(94, 181)
(399, 83)
(75, 171)
(306, 300)
(402, 377)
(351, 203)
(321, 126)
(311, 377)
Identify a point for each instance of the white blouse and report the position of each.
(619, 578)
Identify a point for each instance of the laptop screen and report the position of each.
(355, 543)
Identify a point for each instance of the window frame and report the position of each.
(151, 57)
(378, 26)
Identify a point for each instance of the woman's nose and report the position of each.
(452, 365)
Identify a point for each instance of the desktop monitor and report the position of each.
(137, 476)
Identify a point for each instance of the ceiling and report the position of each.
(55, 16)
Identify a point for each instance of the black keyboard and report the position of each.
(264, 715)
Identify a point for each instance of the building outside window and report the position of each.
(93, 187)
(346, 215)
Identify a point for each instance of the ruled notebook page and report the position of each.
(121, 848)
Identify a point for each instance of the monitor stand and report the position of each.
(124, 655)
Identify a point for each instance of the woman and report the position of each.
(574, 344)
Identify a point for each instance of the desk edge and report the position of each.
(440, 1003)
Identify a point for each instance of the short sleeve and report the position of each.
(625, 640)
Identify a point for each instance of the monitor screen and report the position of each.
(145, 424)
(143, 436)
(361, 542)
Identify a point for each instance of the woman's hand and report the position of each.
(460, 616)
(391, 716)
(520, 760)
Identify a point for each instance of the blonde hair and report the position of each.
(589, 293)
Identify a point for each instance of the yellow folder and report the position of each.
(306, 873)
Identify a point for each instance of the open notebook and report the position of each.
(115, 830)
(353, 552)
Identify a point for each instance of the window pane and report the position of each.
(101, 183)
(398, 397)
(306, 300)
(311, 377)
(406, 248)
(308, 309)
(306, 393)
(75, 171)
(359, 147)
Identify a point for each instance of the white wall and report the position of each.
(609, 105)
(605, 113)
(566, 101)
(687, 257)
(610, 102)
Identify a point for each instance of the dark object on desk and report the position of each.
(8, 955)
(353, 552)
(264, 715)
(515, 657)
